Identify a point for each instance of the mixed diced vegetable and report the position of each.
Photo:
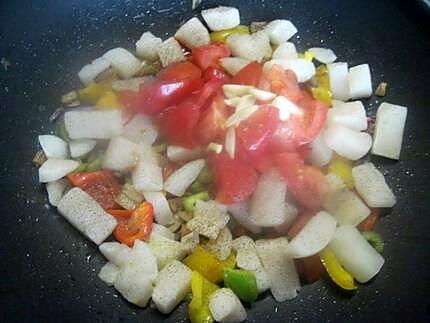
(224, 163)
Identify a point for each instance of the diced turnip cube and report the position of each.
(280, 30)
(267, 205)
(303, 68)
(389, 127)
(360, 81)
(121, 155)
(166, 250)
(53, 146)
(346, 207)
(346, 142)
(134, 286)
(285, 50)
(146, 46)
(226, 307)
(372, 187)
(54, 169)
(240, 212)
(173, 283)
(141, 129)
(355, 254)
(208, 219)
(93, 124)
(284, 280)
(143, 256)
(190, 241)
(123, 62)
(253, 47)
(348, 114)
(117, 253)
(221, 18)
(180, 179)
(181, 154)
(320, 153)
(89, 72)
(147, 175)
(81, 147)
(56, 190)
(193, 34)
(86, 215)
(108, 273)
(232, 65)
(162, 213)
(323, 55)
(170, 51)
(339, 84)
(221, 246)
(313, 237)
(161, 230)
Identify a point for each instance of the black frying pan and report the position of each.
(48, 271)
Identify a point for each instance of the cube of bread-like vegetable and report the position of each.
(221, 17)
(124, 62)
(146, 46)
(193, 34)
(253, 47)
(89, 72)
(232, 65)
(225, 306)
(170, 51)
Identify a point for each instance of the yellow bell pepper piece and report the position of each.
(322, 94)
(322, 76)
(221, 35)
(306, 55)
(108, 101)
(340, 276)
(322, 91)
(198, 308)
(341, 167)
(208, 264)
(93, 92)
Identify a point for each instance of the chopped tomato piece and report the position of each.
(369, 223)
(256, 132)
(215, 73)
(251, 74)
(284, 82)
(234, 179)
(310, 268)
(209, 55)
(306, 183)
(137, 227)
(179, 71)
(211, 123)
(177, 124)
(101, 185)
(299, 223)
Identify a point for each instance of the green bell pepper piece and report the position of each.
(242, 283)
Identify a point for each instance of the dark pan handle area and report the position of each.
(48, 271)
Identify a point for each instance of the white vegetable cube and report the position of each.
(181, 154)
(355, 254)
(108, 273)
(81, 147)
(123, 62)
(372, 187)
(303, 68)
(285, 50)
(141, 129)
(161, 230)
(173, 283)
(252, 47)
(166, 250)
(267, 207)
(314, 236)
(323, 55)
(134, 286)
(142, 256)
(89, 72)
(53, 169)
(280, 30)
(182, 178)
(147, 175)
(170, 51)
(86, 215)
(116, 253)
(162, 213)
(225, 306)
(349, 114)
(121, 154)
(93, 124)
(221, 17)
(240, 212)
(232, 65)
(339, 83)
(193, 34)
(321, 153)
(56, 190)
(346, 142)
(146, 46)
(208, 219)
(221, 246)
(389, 127)
(53, 146)
(360, 81)
(190, 241)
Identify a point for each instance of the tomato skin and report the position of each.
(215, 73)
(179, 71)
(256, 132)
(234, 179)
(299, 223)
(101, 185)
(177, 124)
(211, 123)
(209, 55)
(251, 74)
(306, 183)
(309, 269)
(284, 82)
(369, 223)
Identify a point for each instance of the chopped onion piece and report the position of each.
(389, 127)
(81, 147)
(56, 190)
(141, 129)
(108, 273)
(220, 18)
(216, 148)
(147, 175)
(240, 213)
(285, 50)
(338, 76)
(320, 153)
(230, 142)
(285, 107)
(262, 95)
(254, 47)
(181, 154)
(89, 72)
(239, 116)
(225, 306)
(303, 68)
(280, 30)
(245, 102)
(323, 55)
(178, 182)
(55, 168)
(233, 90)
(53, 146)
(348, 114)
(360, 82)
(121, 154)
(162, 213)
(233, 102)
(123, 62)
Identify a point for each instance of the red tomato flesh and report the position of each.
(251, 74)
(209, 55)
